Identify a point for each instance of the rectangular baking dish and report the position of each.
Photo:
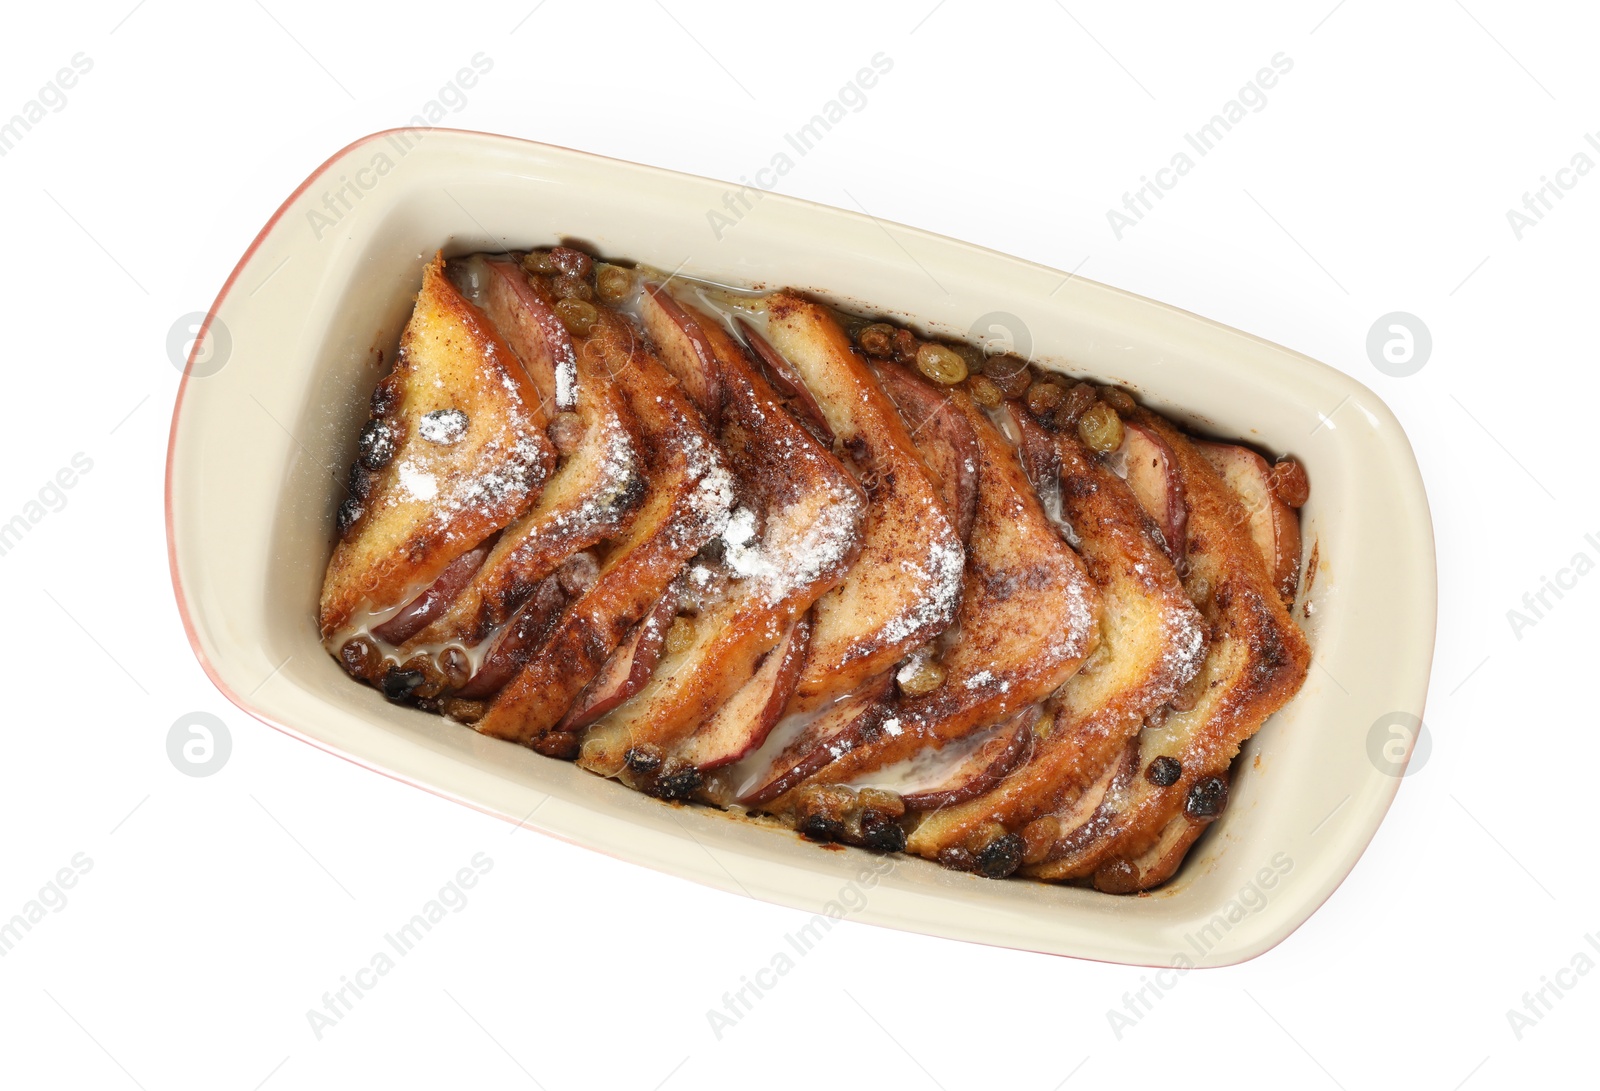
(277, 386)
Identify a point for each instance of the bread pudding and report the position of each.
(742, 549)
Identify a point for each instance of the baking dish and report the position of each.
(302, 330)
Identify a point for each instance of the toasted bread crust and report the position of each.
(435, 499)
(1257, 660)
(1028, 617)
(1153, 643)
(905, 584)
(690, 493)
(809, 509)
(591, 498)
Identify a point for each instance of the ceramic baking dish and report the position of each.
(269, 408)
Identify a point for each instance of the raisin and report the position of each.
(819, 827)
(1164, 772)
(572, 262)
(877, 340)
(376, 446)
(678, 784)
(956, 858)
(643, 760)
(880, 833)
(360, 658)
(397, 684)
(1207, 798)
(1000, 857)
(349, 512)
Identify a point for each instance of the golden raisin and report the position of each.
(1044, 396)
(455, 665)
(567, 286)
(941, 364)
(1079, 398)
(1118, 399)
(680, 638)
(920, 676)
(1100, 428)
(1289, 482)
(1009, 373)
(972, 355)
(1037, 838)
(577, 315)
(984, 391)
(613, 283)
(881, 800)
(540, 262)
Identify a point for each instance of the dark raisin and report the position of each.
(880, 833)
(1009, 374)
(678, 784)
(376, 445)
(819, 827)
(1207, 798)
(349, 511)
(359, 657)
(642, 760)
(385, 398)
(397, 684)
(443, 426)
(956, 858)
(558, 744)
(1000, 857)
(905, 346)
(1164, 772)
(358, 483)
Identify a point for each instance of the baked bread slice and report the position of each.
(790, 540)
(1028, 614)
(1256, 661)
(689, 495)
(454, 451)
(595, 492)
(906, 582)
(1153, 641)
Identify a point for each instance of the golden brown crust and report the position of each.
(1153, 642)
(1028, 617)
(591, 498)
(434, 499)
(904, 586)
(690, 492)
(1257, 661)
(802, 512)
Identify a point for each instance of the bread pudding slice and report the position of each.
(1153, 641)
(1028, 614)
(1257, 660)
(455, 450)
(689, 494)
(906, 582)
(790, 539)
(594, 493)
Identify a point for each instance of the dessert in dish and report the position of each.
(744, 550)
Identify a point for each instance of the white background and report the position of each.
(1376, 179)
